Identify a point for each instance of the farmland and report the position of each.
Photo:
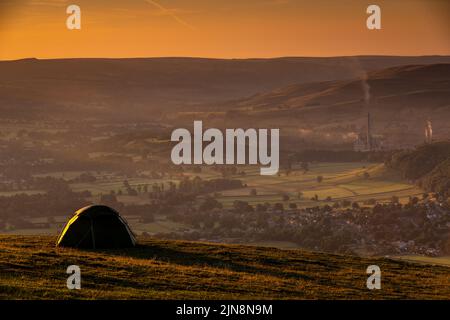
(341, 181)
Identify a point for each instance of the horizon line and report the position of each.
(223, 58)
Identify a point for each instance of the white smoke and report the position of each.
(366, 89)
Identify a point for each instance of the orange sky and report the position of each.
(226, 29)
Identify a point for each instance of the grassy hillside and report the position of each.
(438, 179)
(414, 164)
(32, 268)
(428, 164)
(406, 94)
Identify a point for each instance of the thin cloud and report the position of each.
(276, 2)
(53, 3)
(170, 13)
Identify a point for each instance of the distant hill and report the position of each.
(384, 84)
(32, 268)
(145, 89)
(399, 98)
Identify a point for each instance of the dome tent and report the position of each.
(96, 227)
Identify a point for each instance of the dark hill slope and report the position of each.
(414, 164)
(32, 268)
(402, 85)
(428, 164)
(400, 100)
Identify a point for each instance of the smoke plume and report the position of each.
(366, 89)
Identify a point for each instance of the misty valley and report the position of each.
(347, 182)
(352, 202)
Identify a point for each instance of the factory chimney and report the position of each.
(369, 133)
(428, 132)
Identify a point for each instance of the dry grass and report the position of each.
(32, 268)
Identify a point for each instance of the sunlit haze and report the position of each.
(221, 29)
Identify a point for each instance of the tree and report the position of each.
(253, 192)
(394, 199)
(209, 222)
(304, 166)
(346, 203)
(278, 207)
(132, 192)
(209, 204)
(229, 222)
(261, 207)
(242, 206)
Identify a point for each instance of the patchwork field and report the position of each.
(32, 268)
(340, 181)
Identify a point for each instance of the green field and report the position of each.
(32, 268)
(341, 181)
(160, 225)
(445, 261)
(13, 193)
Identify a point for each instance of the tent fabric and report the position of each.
(96, 227)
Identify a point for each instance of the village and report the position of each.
(419, 227)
